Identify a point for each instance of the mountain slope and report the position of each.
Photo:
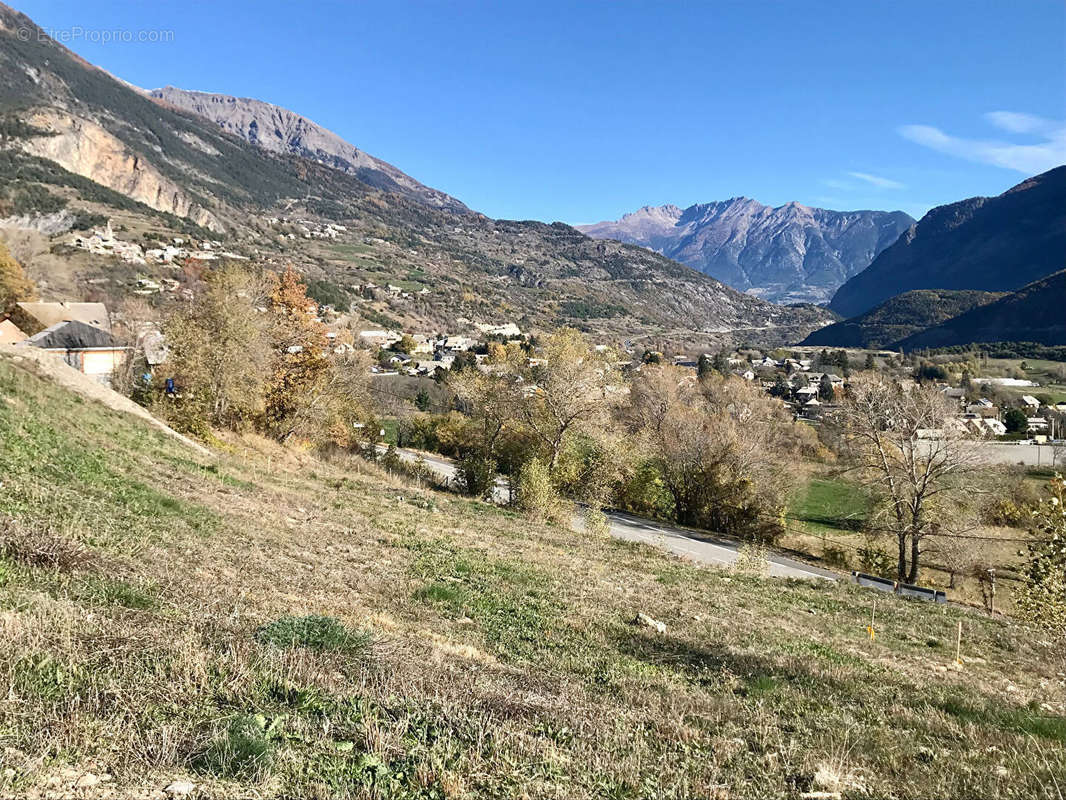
(788, 254)
(1034, 313)
(986, 243)
(899, 317)
(78, 144)
(282, 131)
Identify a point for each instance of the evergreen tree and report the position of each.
(704, 366)
(825, 390)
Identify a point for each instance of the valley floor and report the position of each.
(154, 605)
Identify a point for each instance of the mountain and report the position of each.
(79, 147)
(282, 131)
(899, 317)
(788, 254)
(1034, 313)
(985, 243)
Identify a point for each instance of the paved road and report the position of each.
(1033, 455)
(705, 548)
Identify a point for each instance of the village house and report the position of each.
(985, 428)
(1037, 425)
(459, 343)
(507, 331)
(1030, 402)
(90, 350)
(983, 407)
(423, 344)
(103, 242)
(379, 338)
(994, 427)
(35, 317)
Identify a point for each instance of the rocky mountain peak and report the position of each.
(280, 130)
(792, 253)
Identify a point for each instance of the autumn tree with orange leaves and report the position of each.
(300, 350)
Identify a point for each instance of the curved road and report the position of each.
(703, 547)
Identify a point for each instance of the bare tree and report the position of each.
(922, 473)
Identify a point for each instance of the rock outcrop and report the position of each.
(85, 148)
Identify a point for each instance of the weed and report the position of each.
(101, 590)
(43, 676)
(316, 633)
(245, 749)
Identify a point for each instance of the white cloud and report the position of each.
(1017, 122)
(877, 180)
(1029, 159)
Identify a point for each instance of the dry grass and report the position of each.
(502, 661)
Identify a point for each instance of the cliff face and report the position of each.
(86, 149)
(793, 253)
(985, 243)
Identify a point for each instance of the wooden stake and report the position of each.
(873, 613)
(958, 644)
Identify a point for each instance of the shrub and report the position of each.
(875, 561)
(835, 557)
(313, 632)
(1043, 597)
(752, 559)
(1013, 508)
(391, 460)
(537, 495)
(475, 475)
(596, 522)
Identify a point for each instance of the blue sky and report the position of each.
(581, 111)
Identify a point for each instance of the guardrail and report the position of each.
(896, 587)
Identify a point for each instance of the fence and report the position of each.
(896, 587)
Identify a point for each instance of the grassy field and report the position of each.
(829, 517)
(274, 625)
(1048, 374)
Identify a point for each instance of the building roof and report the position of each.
(48, 314)
(1029, 400)
(10, 333)
(73, 335)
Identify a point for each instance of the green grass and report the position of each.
(512, 604)
(88, 461)
(347, 250)
(831, 504)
